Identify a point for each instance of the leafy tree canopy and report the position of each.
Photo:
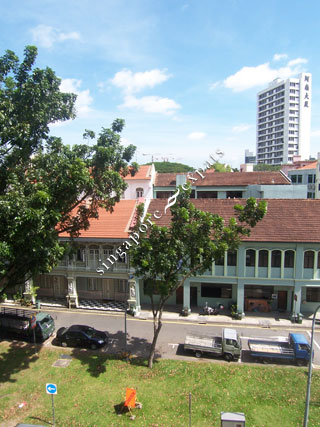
(167, 256)
(171, 167)
(47, 187)
(222, 167)
(264, 167)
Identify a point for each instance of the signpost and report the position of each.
(52, 389)
(33, 327)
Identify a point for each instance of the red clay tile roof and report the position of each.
(110, 225)
(286, 220)
(312, 165)
(225, 179)
(144, 172)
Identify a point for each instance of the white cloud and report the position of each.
(260, 75)
(279, 56)
(214, 85)
(83, 96)
(151, 104)
(46, 36)
(241, 128)
(297, 61)
(197, 135)
(131, 82)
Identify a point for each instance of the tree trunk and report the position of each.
(157, 328)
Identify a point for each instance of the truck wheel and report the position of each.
(264, 360)
(198, 354)
(301, 362)
(228, 357)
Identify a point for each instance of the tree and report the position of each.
(164, 167)
(166, 256)
(261, 167)
(221, 167)
(47, 187)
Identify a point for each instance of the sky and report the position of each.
(183, 74)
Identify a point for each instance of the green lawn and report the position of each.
(93, 384)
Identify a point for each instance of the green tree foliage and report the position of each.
(167, 256)
(47, 187)
(264, 167)
(171, 167)
(222, 167)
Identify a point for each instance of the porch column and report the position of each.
(72, 297)
(240, 296)
(186, 295)
(134, 296)
(297, 300)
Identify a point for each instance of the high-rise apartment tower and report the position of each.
(283, 120)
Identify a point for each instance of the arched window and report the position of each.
(289, 259)
(308, 259)
(139, 192)
(250, 258)
(276, 258)
(263, 258)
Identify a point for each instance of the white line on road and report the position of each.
(313, 340)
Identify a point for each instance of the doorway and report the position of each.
(193, 295)
(282, 300)
(179, 295)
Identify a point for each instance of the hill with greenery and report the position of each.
(171, 167)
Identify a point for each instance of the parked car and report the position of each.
(81, 336)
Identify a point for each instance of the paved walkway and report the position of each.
(263, 320)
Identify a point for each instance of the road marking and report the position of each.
(173, 345)
(314, 340)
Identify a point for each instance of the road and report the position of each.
(172, 335)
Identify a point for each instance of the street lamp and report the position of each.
(306, 412)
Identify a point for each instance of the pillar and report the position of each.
(297, 300)
(134, 296)
(240, 296)
(186, 295)
(72, 297)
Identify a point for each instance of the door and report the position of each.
(179, 295)
(193, 295)
(282, 300)
(56, 286)
(108, 289)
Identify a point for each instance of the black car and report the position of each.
(81, 336)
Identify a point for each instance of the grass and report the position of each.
(94, 384)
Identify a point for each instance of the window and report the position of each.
(215, 290)
(139, 192)
(276, 258)
(318, 265)
(289, 259)
(310, 195)
(122, 286)
(81, 254)
(308, 259)
(313, 294)
(263, 258)
(299, 179)
(219, 261)
(232, 258)
(207, 194)
(250, 258)
(92, 284)
(164, 194)
(260, 292)
(234, 194)
(293, 178)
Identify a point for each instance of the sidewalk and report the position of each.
(263, 320)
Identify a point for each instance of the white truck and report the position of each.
(228, 345)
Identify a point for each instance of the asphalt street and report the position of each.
(172, 335)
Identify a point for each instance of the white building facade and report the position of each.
(283, 120)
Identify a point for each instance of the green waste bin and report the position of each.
(299, 318)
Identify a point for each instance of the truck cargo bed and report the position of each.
(270, 348)
(203, 343)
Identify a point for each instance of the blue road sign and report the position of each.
(51, 388)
